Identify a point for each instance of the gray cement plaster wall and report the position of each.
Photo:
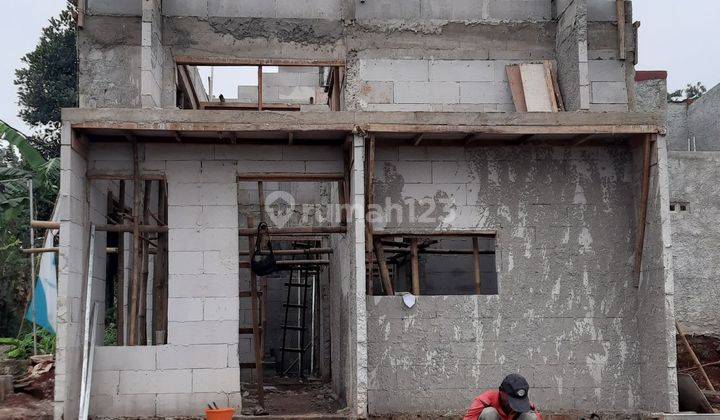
(566, 229)
(703, 120)
(571, 47)
(651, 96)
(655, 311)
(695, 234)
(465, 61)
(678, 132)
(109, 62)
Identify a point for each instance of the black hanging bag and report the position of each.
(263, 264)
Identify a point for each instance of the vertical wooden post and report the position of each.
(260, 88)
(257, 339)
(142, 311)
(137, 251)
(369, 201)
(120, 283)
(620, 12)
(415, 265)
(263, 280)
(476, 261)
(160, 273)
(642, 214)
(382, 266)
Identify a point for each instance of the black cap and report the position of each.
(516, 387)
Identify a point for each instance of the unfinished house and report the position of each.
(455, 190)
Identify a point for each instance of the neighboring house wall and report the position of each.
(693, 142)
(695, 181)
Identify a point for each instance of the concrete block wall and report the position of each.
(293, 9)
(453, 10)
(289, 85)
(693, 180)
(564, 259)
(434, 85)
(655, 291)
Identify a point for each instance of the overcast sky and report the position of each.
(680, 36)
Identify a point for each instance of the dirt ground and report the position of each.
(286, 396)
(21, 406)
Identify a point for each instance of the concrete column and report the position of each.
(152, 55)
(572, 53)
(357, 192)
(72, 266)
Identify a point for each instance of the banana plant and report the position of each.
(15, 174)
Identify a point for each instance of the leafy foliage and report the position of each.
(690, 92)
(23, 348)
(20, 161)
(48, 80)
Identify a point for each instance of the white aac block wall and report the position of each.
(200, 362)
(608, 89)
(434, 85)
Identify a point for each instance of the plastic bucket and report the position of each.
(220, 414)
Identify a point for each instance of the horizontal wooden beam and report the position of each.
(97, 176)
(439, 251)
(216, 105)
(42, 224)
(462, 123)
(296, 230)
(308, 251)
(435, 233)
(40, 250)
(289, 176)
(129, 228)
(238, 61)
(290, 263)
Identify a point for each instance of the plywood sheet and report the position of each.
(535, 86)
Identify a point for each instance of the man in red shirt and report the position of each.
(510, 402)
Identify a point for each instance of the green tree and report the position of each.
(690, 92)
(47, 81)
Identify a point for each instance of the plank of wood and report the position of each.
(535, 87)
(642, 214)
(556, 85)
(257, 339)
(415, 264)
(550, 86)
(693, 356)
(382, 265)
(516, 88)
(476, 265)
(620, 11)
(120, 274)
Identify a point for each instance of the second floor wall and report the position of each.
(407, 55)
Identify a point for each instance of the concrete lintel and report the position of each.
(137, 121)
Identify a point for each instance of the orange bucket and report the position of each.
(219, 414)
